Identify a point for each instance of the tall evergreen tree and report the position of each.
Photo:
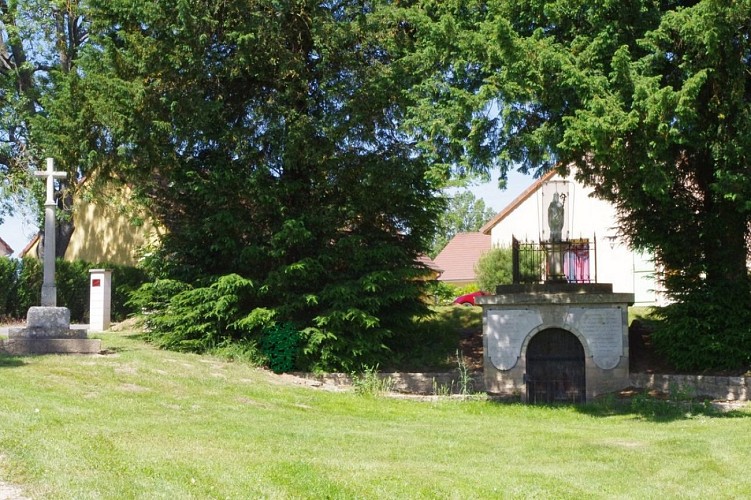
(265, 137)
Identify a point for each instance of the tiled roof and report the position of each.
(461, 254)
(30, 244)
(5, 249)
(429, 263)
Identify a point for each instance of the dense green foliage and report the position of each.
(125, 280)
(431, 344)
(442, 293)
(265, 138)
(72, 281)
(494, 268)
(300, 145)
(199, 319)
(29, 288)
(21, 284)
(155, 295)
(463, 213)
(649, 100)
(700, 333)
(9, 269)
(228, 318)
(280, 345)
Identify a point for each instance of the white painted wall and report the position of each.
(589, 217)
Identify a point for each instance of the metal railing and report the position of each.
(570, 261)
(555, 391)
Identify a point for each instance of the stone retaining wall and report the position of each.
(721, 388)
(411, 383)
(431, 383)
(725, 388)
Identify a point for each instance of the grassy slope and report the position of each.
(146, 423)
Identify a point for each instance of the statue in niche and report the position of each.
(555, 217)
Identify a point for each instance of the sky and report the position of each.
(17, 231)
(495, 198)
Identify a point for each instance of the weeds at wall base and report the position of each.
(370, 383)
(677, 403)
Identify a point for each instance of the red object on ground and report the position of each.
(468, 299)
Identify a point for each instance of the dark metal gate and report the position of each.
(555, 368)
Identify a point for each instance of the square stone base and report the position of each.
(596, 317)
(24, 346)
(47, 322)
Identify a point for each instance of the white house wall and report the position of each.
(522, 223)
(590, 218)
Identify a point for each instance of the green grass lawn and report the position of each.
(143, 423)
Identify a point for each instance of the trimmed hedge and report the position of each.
(21, 287)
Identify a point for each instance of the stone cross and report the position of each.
(49, 292)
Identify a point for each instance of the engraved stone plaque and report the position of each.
(603, 330)
(507, 329)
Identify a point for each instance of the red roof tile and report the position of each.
(5, 249)
(461, 254)
(429, 263)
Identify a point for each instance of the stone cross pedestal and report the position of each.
(48, 327)
(48, 331)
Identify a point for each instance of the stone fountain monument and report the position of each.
(47, 327)
(555, 335)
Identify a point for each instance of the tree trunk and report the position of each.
(63, 232)
(726, 252)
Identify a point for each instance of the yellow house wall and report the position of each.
(104, 234)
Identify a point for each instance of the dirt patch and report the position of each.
(135, 324)
(470, 346)
(11, 492)
(642, 356)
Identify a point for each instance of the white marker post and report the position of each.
(49, 291)
(100, 302)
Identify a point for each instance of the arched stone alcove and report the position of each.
(596, 322)
(555, 368)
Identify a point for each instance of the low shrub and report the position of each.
(280, 345)
(9, 269)
(443, 294)
(494, 268)
(21, 286)
(201, 319)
